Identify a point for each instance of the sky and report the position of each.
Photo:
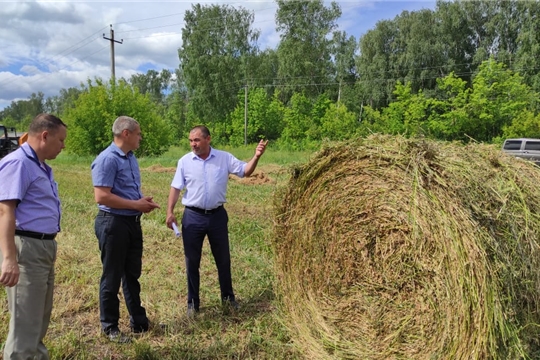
(46, 46)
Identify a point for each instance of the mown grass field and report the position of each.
(253, 332)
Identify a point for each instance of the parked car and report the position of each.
(524, 148)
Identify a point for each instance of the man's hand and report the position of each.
(146, 204)
(252, 164)
(170, 220)
(10, 272)
(260, 148)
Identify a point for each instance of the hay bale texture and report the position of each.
(392, 248)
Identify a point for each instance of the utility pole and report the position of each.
(111, 39)
(245, 113)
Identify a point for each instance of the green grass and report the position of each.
(253, 332)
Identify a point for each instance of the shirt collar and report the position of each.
(31, 154)
(211, 154)
(117, 150)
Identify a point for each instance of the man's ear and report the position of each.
(44, 135)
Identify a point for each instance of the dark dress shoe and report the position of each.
(191, 311)
(139, 329)
(233, 304)
(116, 336)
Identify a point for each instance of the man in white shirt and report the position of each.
(204, 174)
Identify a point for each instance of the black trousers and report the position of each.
(121, 245)
(195, 226)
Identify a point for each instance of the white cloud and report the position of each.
(29, 70)
(50, 45)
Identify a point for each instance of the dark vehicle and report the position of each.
(524, 148)
(9, 140)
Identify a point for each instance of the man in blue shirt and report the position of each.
(117, 190)
(29, 222)
(204, 174)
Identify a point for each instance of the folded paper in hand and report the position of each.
(176, 231)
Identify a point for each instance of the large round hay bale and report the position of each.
(392, 248)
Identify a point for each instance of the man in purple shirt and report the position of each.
(117, 190)
(29, 222)
(204, 174)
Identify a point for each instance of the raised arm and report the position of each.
(252, 164)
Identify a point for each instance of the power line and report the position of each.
(40, 75)
(58, 57)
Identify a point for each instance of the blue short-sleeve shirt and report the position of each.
(120, 172)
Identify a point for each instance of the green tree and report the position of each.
(344, 52)
(376, 80)
(456, 33)
(498, 103)
(338, 123)
(175, 114)
(498, 96)
(23, 111)
(297, 119)
(525, 124)
(153, 83)
(217, 40)
(527, 60)
(59, 103)
(449, 112)
(305, 48)
(408, 114)
(265, 117)
(90, 120)
(421, 46)
(407, 49)
(263, 70)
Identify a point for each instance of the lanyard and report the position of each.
(54, 186)
(33, 156)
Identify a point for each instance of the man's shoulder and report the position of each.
(110, 150)
(186, 158)
(106, 156)
(13, 158)
(220, 153)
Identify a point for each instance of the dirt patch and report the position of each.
(159, 169)
(257, 178)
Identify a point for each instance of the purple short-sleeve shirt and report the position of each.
(25, 179)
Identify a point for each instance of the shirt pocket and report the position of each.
(221, 176)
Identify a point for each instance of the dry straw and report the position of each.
(393, 248)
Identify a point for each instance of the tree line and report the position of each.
(465, 70)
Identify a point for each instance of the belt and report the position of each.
(203, 211)
(136, 218)
(35, 235)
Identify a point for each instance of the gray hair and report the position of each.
(124, 123)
